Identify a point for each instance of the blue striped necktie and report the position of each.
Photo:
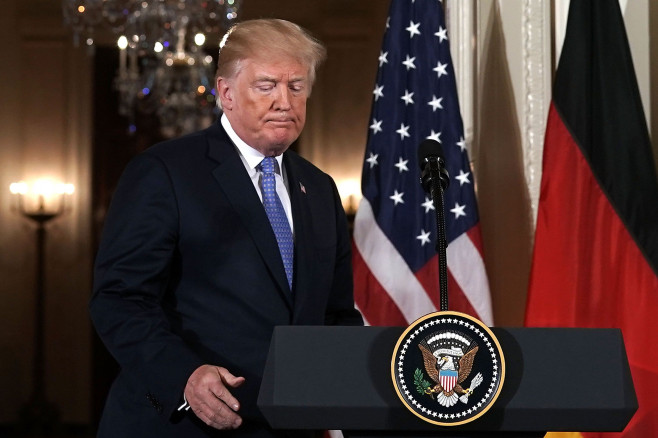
(277, 215)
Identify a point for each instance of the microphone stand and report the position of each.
(434, 178)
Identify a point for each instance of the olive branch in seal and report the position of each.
(420, 382)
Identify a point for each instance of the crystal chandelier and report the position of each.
(163, 69)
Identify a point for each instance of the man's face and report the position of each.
(266, 103)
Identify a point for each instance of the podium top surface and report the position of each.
(557, 379)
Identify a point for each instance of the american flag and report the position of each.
(395, 259)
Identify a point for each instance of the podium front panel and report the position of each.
(340, 378)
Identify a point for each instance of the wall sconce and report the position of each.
(40, 202)
(350, 195)
(43, 200)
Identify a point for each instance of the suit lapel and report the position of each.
(238, 188)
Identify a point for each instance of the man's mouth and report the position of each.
(281, 121)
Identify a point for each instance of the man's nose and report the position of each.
(283, 98)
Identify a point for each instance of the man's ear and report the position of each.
(225, 93)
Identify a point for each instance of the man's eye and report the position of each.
(265, 87)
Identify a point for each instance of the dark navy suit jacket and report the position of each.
(188, 273)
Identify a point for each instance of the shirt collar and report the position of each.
(251, 155)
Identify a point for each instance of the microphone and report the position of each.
(432, 165)
(435, 179)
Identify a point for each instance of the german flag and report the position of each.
(595, 261)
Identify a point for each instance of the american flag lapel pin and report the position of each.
(303, 189)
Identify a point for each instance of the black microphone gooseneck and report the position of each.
(435, 179)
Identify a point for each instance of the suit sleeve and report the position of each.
(131, 274)
(340, 308)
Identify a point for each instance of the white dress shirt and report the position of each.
(251, 158)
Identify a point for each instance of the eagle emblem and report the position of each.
(448, 368)
(448, 359)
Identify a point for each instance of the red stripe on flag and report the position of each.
(475, 234)
(371, 298)
(428, 276)
(458, 300)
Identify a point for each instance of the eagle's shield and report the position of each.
(448, 379)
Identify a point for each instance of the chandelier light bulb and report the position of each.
(18, 188)
(122, 42)
(43, 187)
(65, 188)
(158, 47)
(199, 39)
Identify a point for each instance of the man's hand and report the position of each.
(209, 397)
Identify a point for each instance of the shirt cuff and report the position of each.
(185, 406)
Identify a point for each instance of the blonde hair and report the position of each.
(267, 39)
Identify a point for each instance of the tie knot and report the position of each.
(268, 165)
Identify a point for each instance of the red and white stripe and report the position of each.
(447, 382)
(387, 292)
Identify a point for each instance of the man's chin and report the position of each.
(274, 148)
(279, 143)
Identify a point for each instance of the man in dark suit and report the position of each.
(211, 241)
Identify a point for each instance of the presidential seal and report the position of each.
(448, 368)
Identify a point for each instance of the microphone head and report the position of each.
(429, 148)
